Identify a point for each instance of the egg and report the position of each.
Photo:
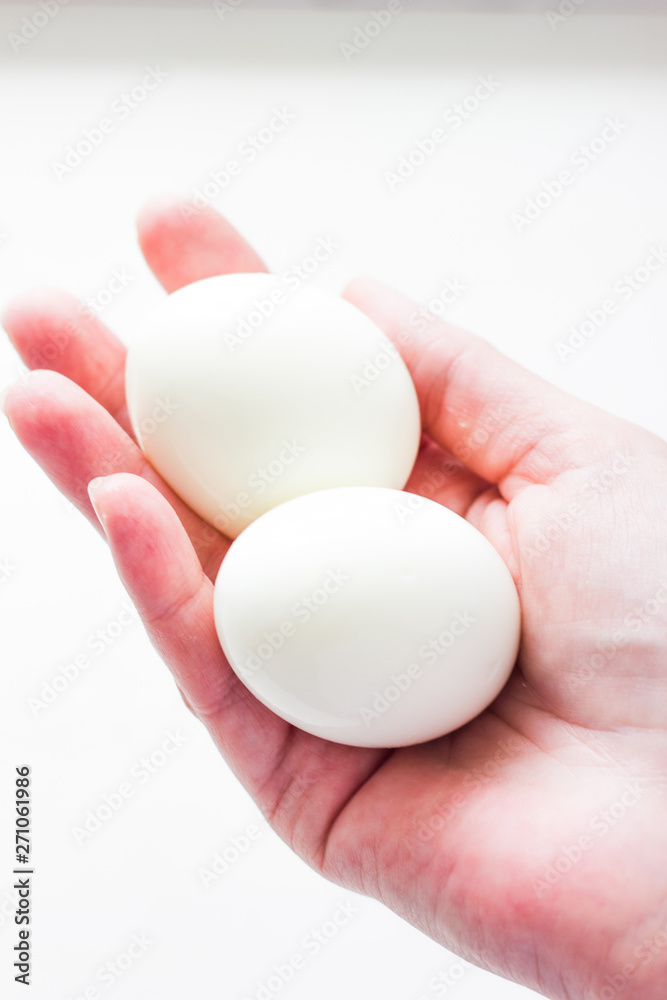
(368, 616)
(244, 393)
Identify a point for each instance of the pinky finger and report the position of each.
(159, 568)
(161, 572)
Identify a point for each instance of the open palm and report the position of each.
(531, 841)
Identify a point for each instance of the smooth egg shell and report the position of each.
(368, 616)
(244, 393)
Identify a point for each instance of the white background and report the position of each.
(325, 175)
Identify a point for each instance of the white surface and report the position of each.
(249, 389)
(368, 616)
(324, 175)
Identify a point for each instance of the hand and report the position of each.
(531, 841)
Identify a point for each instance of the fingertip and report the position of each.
(183, 242)
(172, 216)
(33, 304)
(360, 287)
(45, 381)
(3, 397)
(120, 500)
(149, 544)
(18, 398)
(15, 309)
(120, 497)
(8, 397)
(159, 209)
(7, 314)
(117, 482)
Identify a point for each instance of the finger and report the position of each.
(173, 596)
(438, 476)
(507, 425)
(74, 440)
(183, 244)
(299, 781)
(51, 329)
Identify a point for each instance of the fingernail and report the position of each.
(92, 490)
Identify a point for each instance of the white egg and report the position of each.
(244, 393)
(368, 616)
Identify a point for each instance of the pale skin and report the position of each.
(533, 840)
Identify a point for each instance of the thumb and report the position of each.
(507, 425)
